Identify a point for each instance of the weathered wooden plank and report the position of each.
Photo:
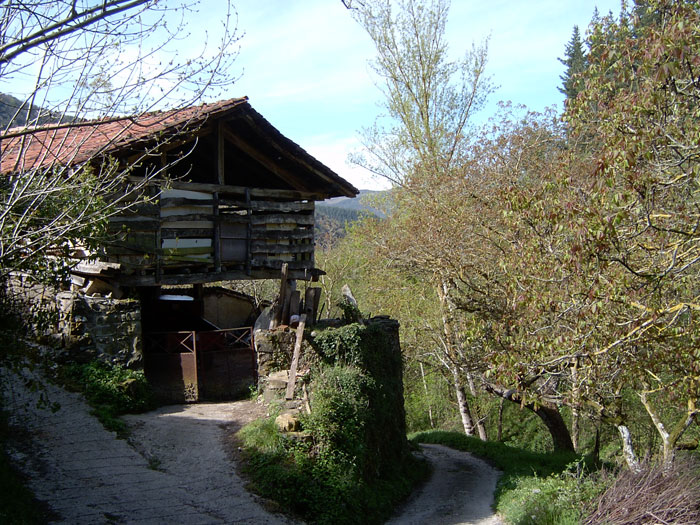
(291, 381)
(187, 225)
(233, 230)
(284, 207)
(258, 248)
(185, 192)
(186, 243)
(194, 250)
(281, 218)
(296, 234)
(182, 201)
(217, 225)
(233, 250)
(147, 209)
(189, 217)
(185, 233)
(225, 189)
(132, 223)
(228, 275)
(233, 218)
(265, 262)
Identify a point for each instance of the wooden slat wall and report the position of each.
(182, 229)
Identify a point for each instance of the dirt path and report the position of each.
(178, 470)
(176, 467)
(460, 491)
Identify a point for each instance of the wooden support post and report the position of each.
(216, 241)
(220, 153)
(249, 233)
(284, 318)
(309, 301)
(159, 246)
(294, 303)
(277, 318)
(291, 382)
(196, 366)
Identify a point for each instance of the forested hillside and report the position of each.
(13, 113)
(545, 267)
(335, 215)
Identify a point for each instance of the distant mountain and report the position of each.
(361, 203)
(8, 109)
(333, 215)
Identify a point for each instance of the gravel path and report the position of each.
(460, 491)
(87, 476)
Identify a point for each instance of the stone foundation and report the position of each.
(100, 328)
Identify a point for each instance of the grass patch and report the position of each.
(111, 390)
(316, 488)
(535, 487)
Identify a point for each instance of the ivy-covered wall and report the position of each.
(357, 396)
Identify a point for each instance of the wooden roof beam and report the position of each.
(265, 161)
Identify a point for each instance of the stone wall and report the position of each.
(100, 327)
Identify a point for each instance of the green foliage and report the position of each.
(562, 499)
(111, 390)
(575, 62)
(338, 421)
(353, 465)
(318, 488)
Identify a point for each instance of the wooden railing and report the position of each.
(181, 342)
(220, 229)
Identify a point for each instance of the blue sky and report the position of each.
(305, 64)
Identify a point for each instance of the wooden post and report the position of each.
(277, 318)
(217, 233)
(249, 233)
(291, 382)
(159, 245)
(294, 303)
(221, 172)
(196, 366)
(309, 305)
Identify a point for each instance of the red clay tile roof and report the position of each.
(73, 144)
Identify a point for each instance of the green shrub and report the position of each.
(316, 487)
(340, 416)
(111, 390)
(353, 466)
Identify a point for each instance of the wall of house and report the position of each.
(227, 311)
(100, 328)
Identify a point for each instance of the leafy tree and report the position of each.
(644, 200)
(428, 102)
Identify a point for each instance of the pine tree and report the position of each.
(575, 62)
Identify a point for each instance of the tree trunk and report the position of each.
(628, 449)
(427, 396)
(669, 439)
(463, 404)
(547, 412)
(481, 428)
(575, 417)
(551, 417)
(499, 433)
